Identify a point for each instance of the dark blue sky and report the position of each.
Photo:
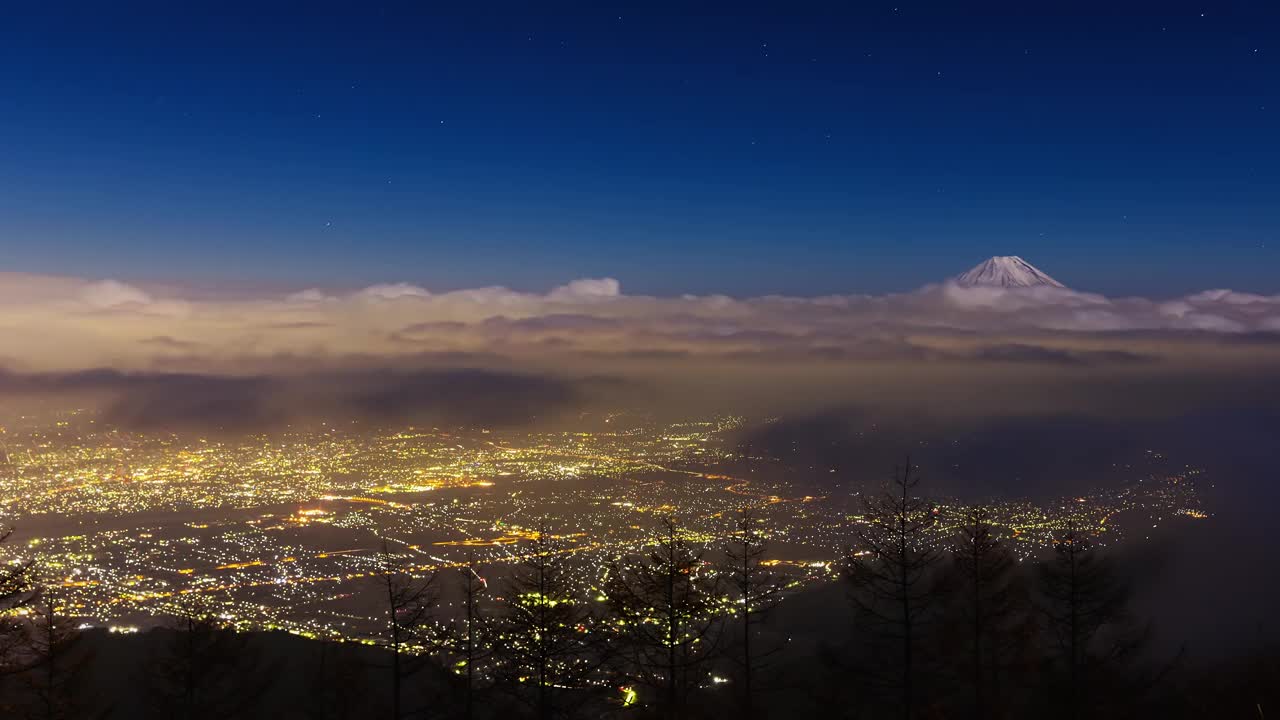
(784, 147)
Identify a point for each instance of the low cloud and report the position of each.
(449, 397)
(943, 345)
(1044, 455)
(587, 289)
(112, 294)
(64, 323)
(1021, 353)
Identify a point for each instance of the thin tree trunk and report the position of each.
(748, 708)
(978, 689)
(672, 628)
(906, 603)
(1074, 650)
(51, 660)
(190, 688)
(395, 650)
(471, 641)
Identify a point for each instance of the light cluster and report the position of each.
(287, 531)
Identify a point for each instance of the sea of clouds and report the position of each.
(162, 355)
(58, 323)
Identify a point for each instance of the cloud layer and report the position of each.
(69, 324)
(949, 344)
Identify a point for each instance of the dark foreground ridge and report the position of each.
(923, 627)
(278, 676)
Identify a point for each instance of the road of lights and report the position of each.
(285, 532)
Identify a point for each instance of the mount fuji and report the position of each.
(1006, 271)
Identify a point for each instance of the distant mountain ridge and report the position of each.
(1006, 271)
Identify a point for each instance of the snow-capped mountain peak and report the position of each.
(1007, 271)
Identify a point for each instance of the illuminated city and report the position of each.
(285, 531)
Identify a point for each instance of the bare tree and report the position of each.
(58, 665)
(1084, 604)
(758, 592)
(666, 606)
(543, 639)
(989, 609)
(893, 588)
(468, 638)
(409, 603)
(205, 671)
(17, 590)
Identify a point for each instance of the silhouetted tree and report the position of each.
(468, 638)
(205, 671)
(667, 608)
(409, 601)
(893, 588)
(758, 591)
(57, 665)
(17, 590)
(988, 615)
(543, 639)
(1091, 636)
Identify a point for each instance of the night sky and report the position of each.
(799, 148)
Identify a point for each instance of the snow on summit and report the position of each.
(1006, 271)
